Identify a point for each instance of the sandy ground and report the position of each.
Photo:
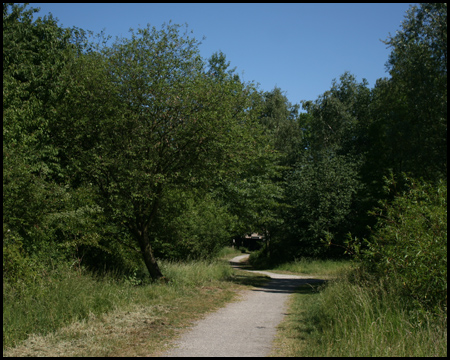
(244, 328)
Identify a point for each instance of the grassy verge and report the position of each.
(323, 268)
(346, 319)
(75, 314)
(228, 253)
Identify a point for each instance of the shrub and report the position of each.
(409, 244)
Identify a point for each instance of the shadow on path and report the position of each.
(279, 283)
(287, 286)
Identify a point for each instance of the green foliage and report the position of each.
(145, 115)
(409, 244)
(143, 148)
(320, 194)
(279, 118)
(34, 55)
(93, 135)
(254, 197)
(339, 116)
(36, 200)
(191, 225)
(418, 110)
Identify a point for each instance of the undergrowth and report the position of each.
(65, 295)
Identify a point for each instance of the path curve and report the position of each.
(244, 328)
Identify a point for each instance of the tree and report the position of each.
(280, 120)
(321, 195)
(324, 188)
(191, 224)
(418, 67)
(35, 54)
(147, 116)
(339, 117)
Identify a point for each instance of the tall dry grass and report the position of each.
(330, 268)
(346, 318)
(66, 296)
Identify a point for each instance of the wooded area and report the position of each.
(143, 150)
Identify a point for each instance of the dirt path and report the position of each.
(243, 328)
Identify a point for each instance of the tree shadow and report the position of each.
(273, 285)
(247, 278)
(290, 286)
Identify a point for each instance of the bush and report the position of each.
(409, 244)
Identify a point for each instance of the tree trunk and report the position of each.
(147, 254)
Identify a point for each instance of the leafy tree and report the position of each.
(407, 127)
(321, 194)
(146, 116)
(219, 68)
(339, 117)
(418, 117)
(280, 120)
(35, 54)
(324, 187)
(256, 195)
(191, 224)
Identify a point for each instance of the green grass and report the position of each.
(78, 314)
(66, 296)
(344, 318)
(228, 252)
(62, 297)
(328, 268)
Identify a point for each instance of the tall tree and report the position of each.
(147, 115)
(280, 120)
(339, 116)
(418, 67)
(321, 195)
(335, 139)
(35, 54)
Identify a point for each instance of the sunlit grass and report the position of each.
(329, 268)
(80, 314)
(228, 252)
(348, 319)
(66, 296)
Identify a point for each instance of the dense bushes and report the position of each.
(408, 246)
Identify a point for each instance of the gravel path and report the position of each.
(243, 328)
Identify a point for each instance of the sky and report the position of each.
(299, 48)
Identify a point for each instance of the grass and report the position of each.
(323, 268)
(228, 252)
(77, 314)
(344, 319)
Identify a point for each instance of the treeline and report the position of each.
(366, 168)
(142, 150)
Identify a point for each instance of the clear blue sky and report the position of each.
(298, 47)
